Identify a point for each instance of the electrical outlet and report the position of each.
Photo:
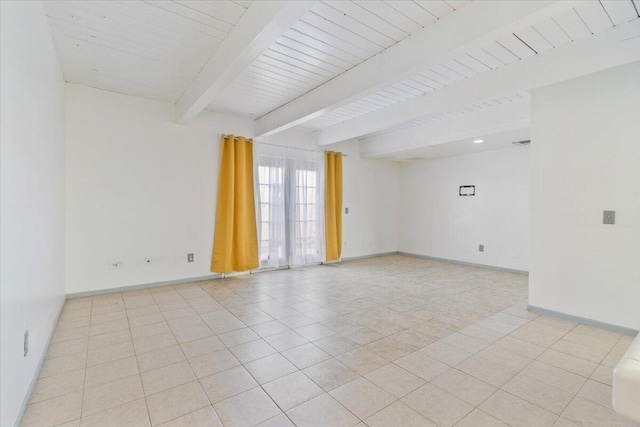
(26, 343)
(346, 210)
(147, 262)
(189, 257)
(345, 243)
(481, 248)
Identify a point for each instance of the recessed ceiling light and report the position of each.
(478, 141)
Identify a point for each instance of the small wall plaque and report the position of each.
(467, 190)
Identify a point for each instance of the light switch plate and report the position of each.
(609, 217)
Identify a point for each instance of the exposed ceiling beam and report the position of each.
(607, 49)
(471, 25)
(506, 117)
(259, 27)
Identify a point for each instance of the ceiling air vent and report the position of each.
(525, 142)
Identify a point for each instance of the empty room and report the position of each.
(324, 213)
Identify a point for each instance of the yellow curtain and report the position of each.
(235, 244)
(333, 205)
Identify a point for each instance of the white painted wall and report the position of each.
(585, 158)
(139, 185)
(435, 221)
(31, 197)
(370, 191)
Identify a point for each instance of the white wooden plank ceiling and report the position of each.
(333, 37)
(445, 115)
(576, 23)
(151, 49)
(156, 48)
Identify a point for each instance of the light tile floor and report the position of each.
(392, 341)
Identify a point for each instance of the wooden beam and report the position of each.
(471, 25)
(501, 118)
(616, 46)
(258, 28)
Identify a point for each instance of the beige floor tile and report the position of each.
(59, 385)
(108, 327)
(202, 346)
(108, 317)
(176, 402)
(132, 414)
(278, 421)
(119, 351)
(205, 417)
(159, 358)
(543, 395)
(270, 368)
(70, 334)
(563, 422)
(556, 377)
(465, 343)
(193, 333)
(336, 345)
(109, 339)
(322, 411)
(142, 311)
(505, 357)
(362, 360)
(112, 394)
(149, 330)
(67, 348)
(585, 413)
(521, 347)
(469, 319)
(362, 397)
(305, 355)
(227, 384)
(464, 386)
(268, 329)
(286, 340)
(539, 333)
(395, 380)
(483, 334)
(439, 406)
(179, 313)
(478, 418)
(111, 371)
(398, 414)
(59, 365)
(567, 362)
(166, 377)
(253, 350)
(596, 392)
(330, 374)
(247, 409)
(418, 363)
(391, 348)
(490, 372)
(603, 374)
(445, 353)
(54, 411)
(147, 343)
(314, 331)
(292, 390)
(237, 337)
(517, 412)
(212, 363)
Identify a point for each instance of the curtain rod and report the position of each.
(235, 138)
